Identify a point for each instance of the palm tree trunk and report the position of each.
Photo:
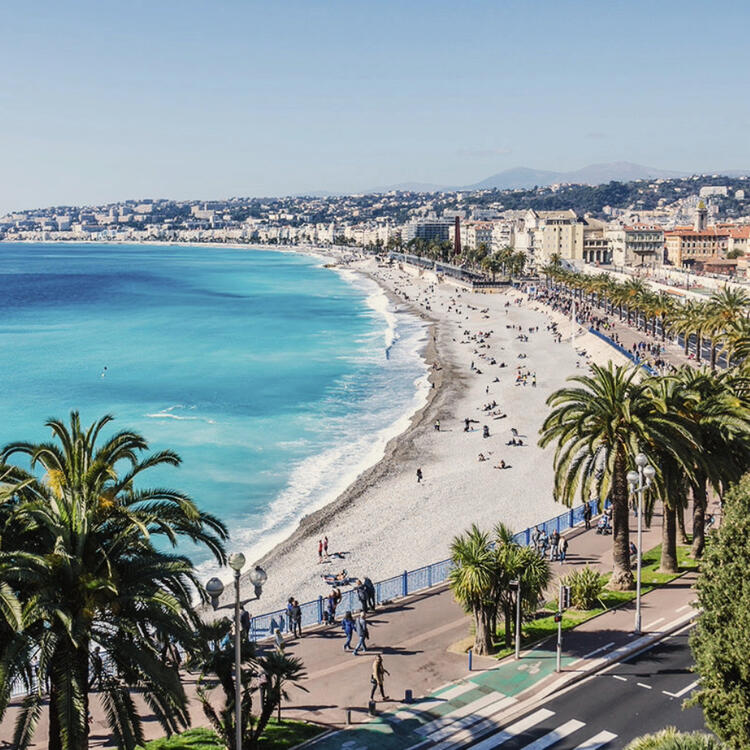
(713, 353)
(622, 575)
(698, 346)
(483, 635)
(700, 501)
(669, 540)
(681, 525)
(687, 343)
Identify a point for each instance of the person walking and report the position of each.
(245, 623)
(587, 515)
(562, 549)
(296, 614)
(363, 634)
(320, 551)
(348, 625)
(362, 595)
(554, 541)
(370, 590)
(325, 547)
(376, 678)
(419, 475)
(278, 641)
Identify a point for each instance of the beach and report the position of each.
(387, 521)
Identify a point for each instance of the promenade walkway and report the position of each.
(413, 636)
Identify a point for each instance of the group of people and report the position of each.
(555, 545)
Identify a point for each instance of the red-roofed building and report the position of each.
(691, 247)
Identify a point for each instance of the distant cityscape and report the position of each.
(701, 222)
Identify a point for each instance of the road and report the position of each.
(608, 710)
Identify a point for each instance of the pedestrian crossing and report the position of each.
(521, 730)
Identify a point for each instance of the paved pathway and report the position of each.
(413, 635)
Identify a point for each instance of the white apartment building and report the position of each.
(637, 245)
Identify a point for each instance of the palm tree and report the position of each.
(720, 421)
(724, 307)
(599, 426)
(492, 265)
(472, 580)
(86, 566)
(215, 659)
(674, 463)
(523, 564)
(671, 739)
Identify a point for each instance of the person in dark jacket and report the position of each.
(362, 634)
(347, 625)
(370, 590)
(362, 595)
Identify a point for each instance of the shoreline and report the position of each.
(384, 521)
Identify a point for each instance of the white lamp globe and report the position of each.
(237, 561)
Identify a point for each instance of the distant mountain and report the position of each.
(593, 174)
(525, 178)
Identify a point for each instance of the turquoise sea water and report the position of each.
(274, 378)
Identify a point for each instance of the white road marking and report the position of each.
(424, 706)
(591, 653)
(655, 622)
(617, 677)
(681, 692)
(514, 730)
(468, 714)
(643, 685)
(597, 741)
(556, 735)
(684, 606)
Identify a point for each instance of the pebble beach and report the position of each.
(387, 521)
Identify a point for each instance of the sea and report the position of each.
(277, 380)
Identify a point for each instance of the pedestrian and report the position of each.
(370, 589)
(554, 541)
(98, 669)
(437, 425)
(278, 640)
(587, 515)
(419, 475)
(296, 619)
(376, 678)
(245, 623)
(562, 548)
(289, 620)
(331, 608)
(362, 595)
(363, 634)
(320, 551)
(325, 547)
(348, 626)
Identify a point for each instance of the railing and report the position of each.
(403, 584)
(398, 586)
(622, 350)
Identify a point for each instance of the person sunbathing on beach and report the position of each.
(481, 457)
(501, 464)
(334, 577)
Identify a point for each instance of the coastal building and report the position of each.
(637, 245)
(477, 233)
(689, 247)
(427, 229)
(553, 233)
(596, 244)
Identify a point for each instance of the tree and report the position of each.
(216, 663)
(721, 639)
(472, 580)
(492, 265)
(671, 739)
(523, 564)
(82, 559)
(599, 426)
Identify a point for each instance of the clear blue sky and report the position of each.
(105, 100)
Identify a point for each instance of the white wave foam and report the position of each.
(320, 478)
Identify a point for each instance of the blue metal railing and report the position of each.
(622, 350)
(406, 583)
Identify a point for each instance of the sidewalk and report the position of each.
(413, 634)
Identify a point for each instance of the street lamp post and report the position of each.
(236, 563)
(215, 588)
(639, 481)
(516, 584)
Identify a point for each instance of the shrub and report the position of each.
(585, 587)
(671, 739)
